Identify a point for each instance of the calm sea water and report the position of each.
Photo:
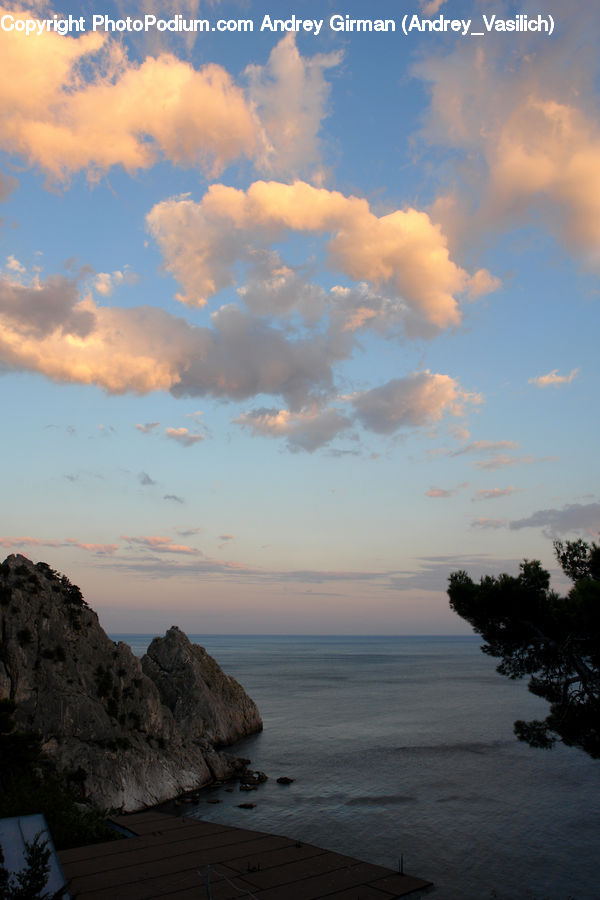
(404, 746)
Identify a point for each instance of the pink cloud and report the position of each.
(494, 493)
(160, 544)
(98, 549)
(445, 493)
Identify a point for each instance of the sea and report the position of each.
(403, 754)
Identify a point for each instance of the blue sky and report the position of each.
(292, 326)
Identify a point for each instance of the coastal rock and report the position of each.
(205, 702)
(103, 719)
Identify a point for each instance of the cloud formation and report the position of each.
(7, 185)
(494, 493)
(122, 113)
(183, 436)
(104, 283)
(75, 104)
(289, 94)
(503, 460)
(553, 378)
(159, 544)
(40, 309)
(305, 430)
(419, 399)
(579, 518)
(485, 447)
(46, 328)
(434, 571)
(445, 493)
(483, 522)
(97, 549)
(530, 134)
(403, 252)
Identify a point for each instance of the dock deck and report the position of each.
(175, 857)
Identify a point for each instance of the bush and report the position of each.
(30, 882)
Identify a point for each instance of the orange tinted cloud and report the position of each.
(403, 251)
(183, 436)
(45, 328)
(78, 103)
(532, 139)
(159, 544)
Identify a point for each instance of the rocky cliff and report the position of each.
(130, 733)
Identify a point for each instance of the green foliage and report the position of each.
(72, 592)
(578, 560)
(554, 640)
(47, 571)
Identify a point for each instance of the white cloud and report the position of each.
(431, 7)
(104, 283)
(553, 378)
(290, 96)
(183, 436)
(13, 265)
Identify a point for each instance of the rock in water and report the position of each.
(205, 702)
(130, 735)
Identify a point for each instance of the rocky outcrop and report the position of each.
(130, 733)
(205, 702)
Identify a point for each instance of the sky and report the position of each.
(296, 319)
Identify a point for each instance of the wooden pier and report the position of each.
(180, 858)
